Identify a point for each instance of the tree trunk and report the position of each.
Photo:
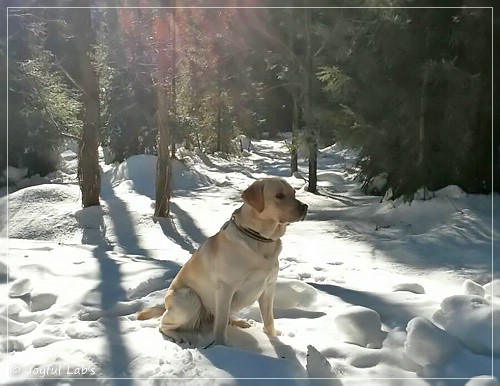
(164, 106)
(163, 164)
(218, 122)
(421, 131)
(174, 133)
(294, 164)
(421, 161)
(311, 136)
(89, 176)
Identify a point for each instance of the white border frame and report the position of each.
(256, 7)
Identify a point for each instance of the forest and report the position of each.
(408, 87)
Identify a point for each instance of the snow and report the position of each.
(482, 380)
(14, 174)
(317, 364)
(369, 292)
(362, 326)
(428, 344)
(410, 287)
(472, 288)
(293, 293)
(493, 288)
(470, 318)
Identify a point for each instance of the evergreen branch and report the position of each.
(49, 113)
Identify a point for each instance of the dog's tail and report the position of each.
(151, 312)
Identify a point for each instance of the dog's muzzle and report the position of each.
(303, 211)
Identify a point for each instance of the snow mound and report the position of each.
(42, 301)
(68, 155)
(293, 293)
(361, 326)
(469, 318)
(493, 288)
(427, 344)
(138, 173)
(410, 287)
(20, 288)
(450, 191)
(32, 181)
(377, 184)
(187, 178)
(15, 174)
(43, 212)
(472, 288)
(16, 328)
(421, 216)
(331, 150)
(483, 380)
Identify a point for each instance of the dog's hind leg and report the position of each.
(184, 312)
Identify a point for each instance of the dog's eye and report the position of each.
(280, 196)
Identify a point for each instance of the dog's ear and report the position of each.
(254, 195)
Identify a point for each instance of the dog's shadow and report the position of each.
(203, 338)
(246, 339)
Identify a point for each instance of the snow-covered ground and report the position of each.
(369, 292)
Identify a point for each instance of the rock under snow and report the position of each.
(493, 288)
(361, 326)
(427, 344)
(68, 155)
(20, 288)
(483, 380)
(59, 203)
(472, 288)
(450, 191)
(15, 174)
(410, 287)
(469, 318)
(293, 293)
(15, 328)
(317, 365)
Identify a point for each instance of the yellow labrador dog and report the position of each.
(233, 268)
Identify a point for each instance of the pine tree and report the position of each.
(88, 160)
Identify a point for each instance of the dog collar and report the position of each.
(250, 232)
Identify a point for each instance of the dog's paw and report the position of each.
(241, 323)
(272, 332)
(175, 337)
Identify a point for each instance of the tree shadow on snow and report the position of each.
(109, 288)
(111, 293)
(391, 313)
(193, 236)
(122, 221)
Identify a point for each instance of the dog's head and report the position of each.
(274, 198)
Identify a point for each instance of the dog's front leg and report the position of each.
(266, 302)
(223, 298)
